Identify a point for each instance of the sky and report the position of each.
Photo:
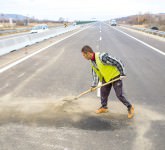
(81, 9)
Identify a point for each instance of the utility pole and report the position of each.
(3, 21)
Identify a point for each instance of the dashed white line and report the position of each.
(6, 85)
(21, 75)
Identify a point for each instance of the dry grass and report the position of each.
(7, 26)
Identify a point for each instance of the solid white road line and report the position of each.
(25, 58)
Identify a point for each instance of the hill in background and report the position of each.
(12, 16)
(146, 20)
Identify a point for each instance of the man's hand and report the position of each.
(93, 88)
(123, 75)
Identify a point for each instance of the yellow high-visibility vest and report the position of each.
(107, 72)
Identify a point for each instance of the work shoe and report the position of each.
(102, 110)
(130, 112)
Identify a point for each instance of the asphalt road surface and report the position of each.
(34, 113)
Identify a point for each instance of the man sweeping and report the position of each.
(106, 68)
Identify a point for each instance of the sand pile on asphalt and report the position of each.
(61, 113)
(49, 110)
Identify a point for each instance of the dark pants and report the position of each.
(118, 87)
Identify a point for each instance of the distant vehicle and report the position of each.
(74, 23)
(113, 23)
(39, 28)
(154, 28)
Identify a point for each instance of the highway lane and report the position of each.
(34, 116)
(143, 65)
(156, 41)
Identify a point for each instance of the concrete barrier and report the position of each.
(15, 43)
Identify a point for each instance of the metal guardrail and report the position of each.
(151, 31)
(15, 43)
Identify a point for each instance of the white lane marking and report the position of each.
(42, 49)
(153, 48)
(100, 38)
(98, 90)
(22, 74)
(6, 85)
(36, 64)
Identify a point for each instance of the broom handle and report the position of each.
(88, 91)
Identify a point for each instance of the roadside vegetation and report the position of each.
(16, 25)
(146, 20)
